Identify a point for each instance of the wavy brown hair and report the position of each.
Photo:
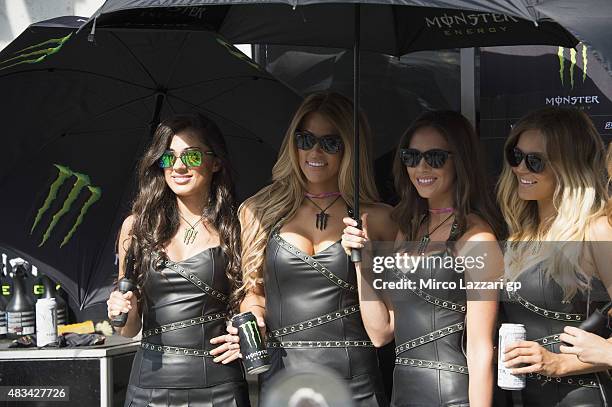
(155, 211)
(283, 197)
(470, 182)
(576, 155)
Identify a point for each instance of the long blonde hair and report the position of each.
(575, 154)
(283, 197)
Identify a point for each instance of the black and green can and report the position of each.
(255, 356)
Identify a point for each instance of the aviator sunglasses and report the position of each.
(191, 158)
(330, 143)
(435, 158)
(533, 161)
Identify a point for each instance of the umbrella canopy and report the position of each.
(389, 27)
(586, 20)
(77, 115)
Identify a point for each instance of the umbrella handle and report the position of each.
(125, 285)
(356, 253)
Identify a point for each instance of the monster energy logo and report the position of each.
(251, 331)
(35, 53)
(572, 58)
(82, 182)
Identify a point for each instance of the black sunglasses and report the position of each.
(533, 161)
(435, 158)
(330, 143)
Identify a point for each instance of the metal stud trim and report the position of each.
(182, 324)
(314, 322)
(430, 337)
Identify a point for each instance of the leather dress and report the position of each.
(185, 305)
(313, 317)
(430, 365)
(538, 305)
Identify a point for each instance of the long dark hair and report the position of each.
(155, 212)
(470, 184)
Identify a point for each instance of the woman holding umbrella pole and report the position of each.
(297, 279)
(444, 213)
(182, 245)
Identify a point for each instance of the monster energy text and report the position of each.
(254, 353)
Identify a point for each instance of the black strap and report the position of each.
(319, 344)
(193, 279)
(431, 364)
(312, 262)
(582, 380)
(548, 340)
(186, 323)
(314, 322)
(556, 315)
(174, 350)
(430, 337)
(430, 298)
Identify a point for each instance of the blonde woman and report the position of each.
(553, 196)
(297, 279)
(443, 212)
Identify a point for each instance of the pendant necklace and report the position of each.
(190, 233)
(322, 217)
(426, 239)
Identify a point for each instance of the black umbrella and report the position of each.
(393, 27)
(76, 115)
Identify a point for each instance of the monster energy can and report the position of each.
(254, 353)
(509, 333)
(46, 321)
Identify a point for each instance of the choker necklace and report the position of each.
(426, 239)
(322, 217)
(437, 211)
(321, 195)
(190, 233)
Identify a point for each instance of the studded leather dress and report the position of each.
(184, 307)
(313, 317)
(539, 306)
(430, 365)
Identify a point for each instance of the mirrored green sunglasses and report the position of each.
(191, 158)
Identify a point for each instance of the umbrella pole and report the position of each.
(159, 101)
(356, 253)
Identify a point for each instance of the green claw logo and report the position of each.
(35, 53)
(572, 58)
(251, 331)
(82, 181)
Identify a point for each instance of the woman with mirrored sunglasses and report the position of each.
(297, 279)
(553, 196)
(181, 242)
(444, 213)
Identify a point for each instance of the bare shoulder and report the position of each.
(601, 229)
(249, 213)
(128, 224)
(126, 232)
(478, 230)
(379, 221)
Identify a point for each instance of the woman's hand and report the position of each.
(230, 346)
(229, 350)
(588, 347)
(353, 237)
(537, 358)
(119, 303)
